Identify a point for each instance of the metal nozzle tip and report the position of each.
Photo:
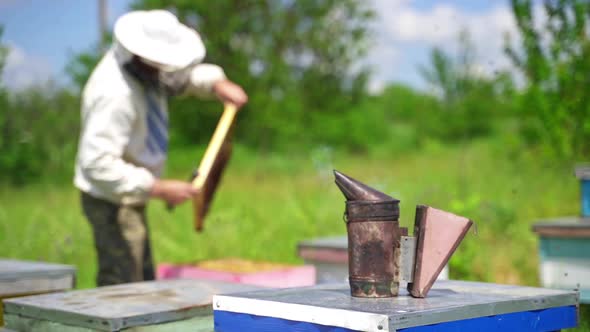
(354, 190)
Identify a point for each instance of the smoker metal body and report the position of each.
(374, 248)
(373, 239)
(329, 256)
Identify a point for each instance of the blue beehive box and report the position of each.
(450, 306)
(583, 174)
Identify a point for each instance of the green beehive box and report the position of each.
(20, 278)
(152, 306)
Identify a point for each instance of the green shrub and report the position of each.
(38, 134)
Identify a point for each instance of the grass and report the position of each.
(267, 203)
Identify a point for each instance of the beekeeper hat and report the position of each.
(159, 38)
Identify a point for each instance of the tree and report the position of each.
(294, 58)
(80, 67)
(554, 57)
(453, 76)
(29, 148)
(4, 117)
(463, 90)
(3, 52)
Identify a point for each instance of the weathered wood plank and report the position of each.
(21, 277)
(212, 165)
(19, 287)
(196, 324)
(115, 308)
(563, 227)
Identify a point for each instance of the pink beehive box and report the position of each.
(242, 271)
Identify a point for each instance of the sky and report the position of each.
(43, 35)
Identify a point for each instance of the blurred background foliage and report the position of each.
(555, 61)
(299, 61)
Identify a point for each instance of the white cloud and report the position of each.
(23, 70)
(382, 58)
(408, 31)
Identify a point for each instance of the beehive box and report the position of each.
(20, 278)
(450, 306)
(242, 271)
(152, 306)
(583, 174)
(564, 252)
(329, 255)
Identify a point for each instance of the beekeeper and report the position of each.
(124, 134)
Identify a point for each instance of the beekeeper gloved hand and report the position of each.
(209, 81)
(229, 92)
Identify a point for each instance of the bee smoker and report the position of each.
(373, 239)
(381, 255)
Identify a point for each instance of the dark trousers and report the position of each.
(121, 238)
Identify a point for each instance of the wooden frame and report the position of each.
(212, 165)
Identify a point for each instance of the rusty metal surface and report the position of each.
(370, 210)
(373, 239)
(354, 190)
(112, 308)
(438, 235)
(373, 267)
